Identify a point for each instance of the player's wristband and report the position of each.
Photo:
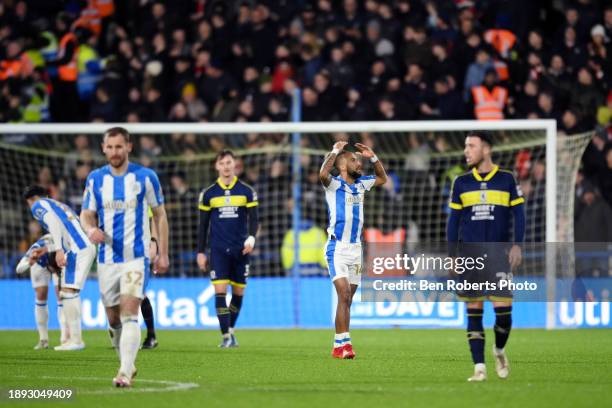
(250, 241)
(373, 159)
(335, 151)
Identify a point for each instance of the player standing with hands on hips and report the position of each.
(229, 209)
(115, 215)
(343, 251)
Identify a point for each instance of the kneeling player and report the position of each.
(344, 196)
(42, 270)
(481, 203)
(229, 207)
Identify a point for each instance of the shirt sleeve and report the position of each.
(517, 203)
(154, 194)
(203, 231)
(455, 197)
(204, 202)
(516, 195)
(334, 184)
(368, 182)
(24, 264)
(452, 231)
(89, 198)
(251, 197)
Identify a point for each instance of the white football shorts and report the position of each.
(40, 276)
(125, 278)
(344, 260)
(78, 265)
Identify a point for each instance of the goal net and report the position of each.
(281, 161)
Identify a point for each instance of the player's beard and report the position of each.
(117, 162)
(355, 174)
(475, 164)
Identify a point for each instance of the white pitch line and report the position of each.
(171, 385)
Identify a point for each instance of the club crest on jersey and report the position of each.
(483, 186)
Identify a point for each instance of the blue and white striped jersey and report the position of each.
(345, 207)
(122, 204)
(62, 223)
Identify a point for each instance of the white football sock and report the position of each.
(72, 313)
(339, 340)
(64, 331)
(115, 333)
(129, 344)
(41, 312)
(347, 338)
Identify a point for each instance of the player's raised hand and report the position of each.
(96, 235)
(202, 260)
(515, 257)
(340, 145)
(60, 258)
(366, 151)
(161, 264)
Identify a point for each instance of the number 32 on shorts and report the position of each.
(132, 283)
(134, 278)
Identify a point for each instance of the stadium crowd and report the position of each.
(220, 61)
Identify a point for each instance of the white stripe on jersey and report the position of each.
(107, 197)
(129, 221)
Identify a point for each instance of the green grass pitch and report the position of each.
(293, 368)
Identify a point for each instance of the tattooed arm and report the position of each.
(328, 163)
